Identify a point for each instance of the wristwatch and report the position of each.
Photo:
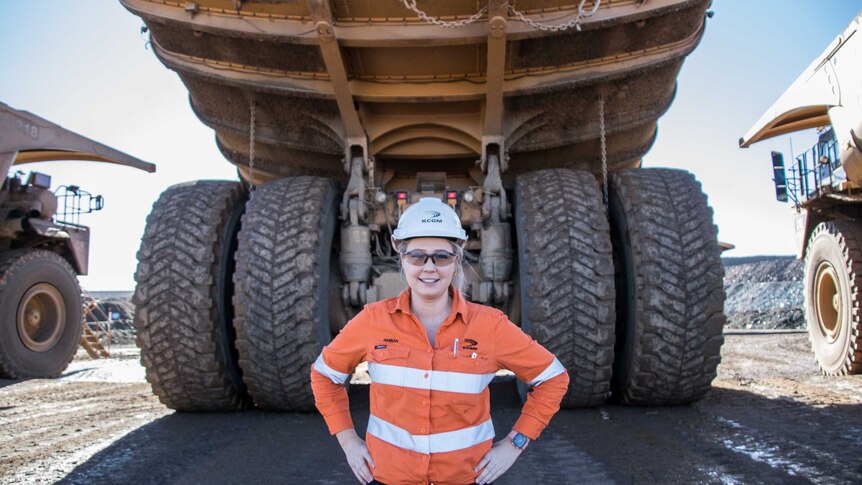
(519, 440)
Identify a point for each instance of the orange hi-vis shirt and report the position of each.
(430, 405)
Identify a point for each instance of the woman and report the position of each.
(431, 356)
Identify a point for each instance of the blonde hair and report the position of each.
(457, 276)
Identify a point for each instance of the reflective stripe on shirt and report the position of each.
(556, 368)
(436, 380)
(332, 374)
(430, 443)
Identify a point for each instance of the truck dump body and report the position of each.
(423, 91)
(828, 92)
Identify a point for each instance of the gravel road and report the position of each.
(771, 418)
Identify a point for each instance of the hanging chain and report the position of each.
(251, 145)
(604, 149)
(576, 22)
(411, 5)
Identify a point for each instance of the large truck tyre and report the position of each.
(183, 315)
(282, 288)
(833, 296)
(40, 314)
(566, 273)
(670, 295)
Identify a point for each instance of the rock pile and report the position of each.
(764, 292)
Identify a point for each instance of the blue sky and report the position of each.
(85, 65)
(751, 52)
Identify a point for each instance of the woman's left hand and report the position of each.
(499, 458)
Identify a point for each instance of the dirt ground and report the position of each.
(771, 418)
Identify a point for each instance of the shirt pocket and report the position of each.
(468, 377)
(389, 366)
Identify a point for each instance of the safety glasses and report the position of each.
(419, 258)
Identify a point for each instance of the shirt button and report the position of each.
(424, 402)
(429, 351)
(421, 430)
(424, 457)
(477, 364)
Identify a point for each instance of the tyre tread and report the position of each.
(848, 236)
(679, 296)
(566, 244)
(176, 302)
(277, 281)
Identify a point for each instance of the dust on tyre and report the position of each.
(833, 281)
(567, 277)
(183, 306)
(670, 295)
(282, 288)
(40, 314)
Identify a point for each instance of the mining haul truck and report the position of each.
(824, 184)
(523, 116)
(43, 246)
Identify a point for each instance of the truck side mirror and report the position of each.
(779, 177)
(97, 203)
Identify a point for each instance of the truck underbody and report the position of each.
(530, 122)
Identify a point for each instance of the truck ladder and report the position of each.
(91, 337)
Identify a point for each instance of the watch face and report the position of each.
(519, 440)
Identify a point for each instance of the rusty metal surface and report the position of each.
(422, 92)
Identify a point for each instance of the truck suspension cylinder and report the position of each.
(495, 263)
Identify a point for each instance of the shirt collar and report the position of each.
(459, 304)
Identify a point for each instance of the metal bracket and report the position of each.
(6, 160)
(492, 131)
(493, 144)
(355, 137)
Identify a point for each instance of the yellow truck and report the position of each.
(43, 245)
(823, 183)
(530, 118)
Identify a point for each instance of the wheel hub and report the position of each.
(827, 301)
(34, 317)
(41, 317)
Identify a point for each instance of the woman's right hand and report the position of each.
(357, 454)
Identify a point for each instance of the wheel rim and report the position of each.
(827, 300)
(41, 317)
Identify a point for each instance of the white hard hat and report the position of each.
(429, 218)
